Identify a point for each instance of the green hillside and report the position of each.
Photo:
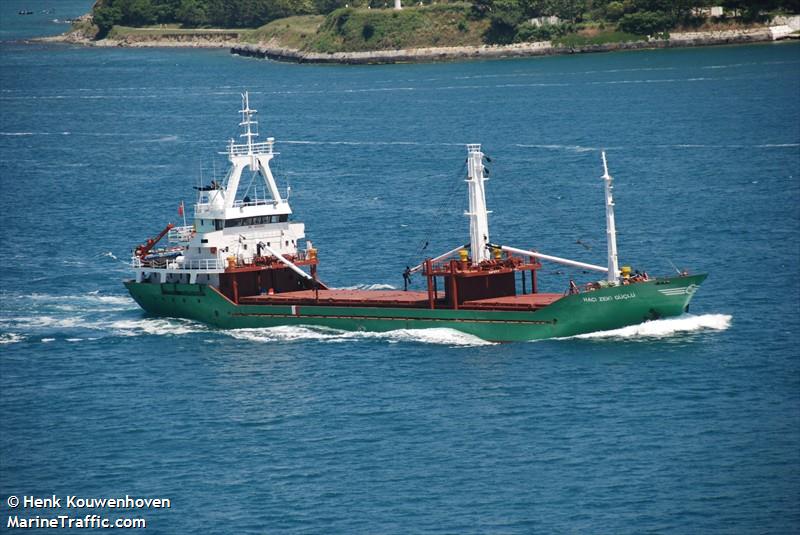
(329, 26)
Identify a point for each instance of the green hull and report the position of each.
(600, 310)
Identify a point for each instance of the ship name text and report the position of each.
(607, 298)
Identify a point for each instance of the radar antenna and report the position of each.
(247, 122)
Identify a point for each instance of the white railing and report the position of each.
(244, 149)
(257, 202)
(181, 234)
(201, 264)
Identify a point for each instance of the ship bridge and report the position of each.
(237, 221)
(249, 188)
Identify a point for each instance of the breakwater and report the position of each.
(544, 48)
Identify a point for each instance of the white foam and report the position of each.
(375, 89)
(286, 333)
(728, 66)
(156, 326)
(666, 327)
(11, 338)
(80, 302)
(778, 145)
(47, 340)
(572, 148)
(367, 143)
(163, 139)
(437, 336)
(46, 321)
(651, 81)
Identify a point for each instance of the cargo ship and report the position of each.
(244, 262)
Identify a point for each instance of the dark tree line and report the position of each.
(217, 13)
(204, 13)
(510, 18)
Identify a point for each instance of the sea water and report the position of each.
(685, 425)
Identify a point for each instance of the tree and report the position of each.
(565, 9)
(192, 13)
(166, 10)
(326, 6)
(505, 16)
(105, 17)
(614, 11)
(141, 13)
(646, 23)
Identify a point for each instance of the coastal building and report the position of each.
(541, 21)
(713, 11)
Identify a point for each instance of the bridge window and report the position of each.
(255, 220)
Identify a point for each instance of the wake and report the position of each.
(439, 336)
(664, 328)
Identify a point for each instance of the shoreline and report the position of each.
(782, 29)
(543, 48)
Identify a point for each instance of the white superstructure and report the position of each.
(235, 221)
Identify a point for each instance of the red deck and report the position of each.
(369, 298)
(396, 298)
(514, 302)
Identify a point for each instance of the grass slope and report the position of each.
(351, 30)
(291, 32)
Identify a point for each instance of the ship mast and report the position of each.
(248, 123)
(478, 215)
(611, 230)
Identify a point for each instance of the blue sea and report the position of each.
(688, 425)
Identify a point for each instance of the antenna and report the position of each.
(248, 122)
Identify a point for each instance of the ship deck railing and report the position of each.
(243, 149)
(257, 202)
(181, 234)
(199, 264)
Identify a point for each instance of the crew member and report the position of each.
(406, 278)
(573, 288)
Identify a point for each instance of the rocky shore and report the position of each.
(545, 48)
(226, 39)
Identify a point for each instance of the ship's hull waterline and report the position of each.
(600, 310)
